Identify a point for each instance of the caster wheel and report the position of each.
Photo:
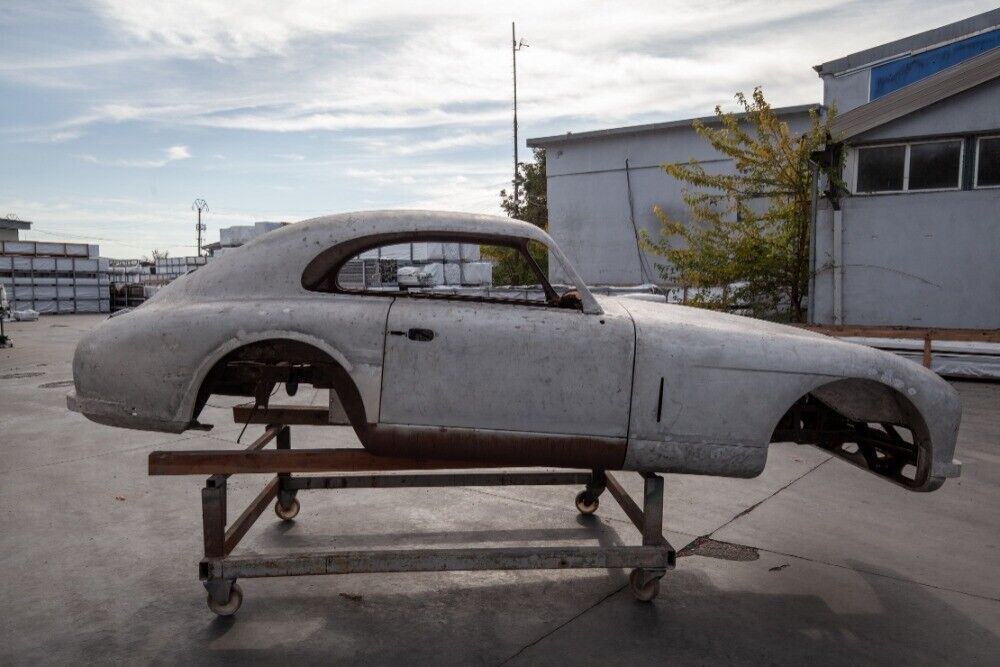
(232, 604)
(289, 513)
(585, 505)
(643, 593)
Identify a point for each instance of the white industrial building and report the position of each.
(603, 185)
(916, 241)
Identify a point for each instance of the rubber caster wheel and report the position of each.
(584, 506)
(231, 606)
(289, 513)
(643, 593)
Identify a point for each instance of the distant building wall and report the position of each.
(916, 259)
(588, 193)
(925, 259)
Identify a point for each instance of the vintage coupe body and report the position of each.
(571, 380)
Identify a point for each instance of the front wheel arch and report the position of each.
(858, 419)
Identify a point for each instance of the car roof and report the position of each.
(345, 226)
(273, 263)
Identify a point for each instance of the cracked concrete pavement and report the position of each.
(99, 561)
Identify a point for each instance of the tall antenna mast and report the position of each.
(199, 205)
(515, 46)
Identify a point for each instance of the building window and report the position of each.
(988, 162)
(935, 166)
(928, 165)
(881, 169)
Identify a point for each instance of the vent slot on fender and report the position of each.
(659, 403)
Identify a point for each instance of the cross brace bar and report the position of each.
(427, 481)
(437, 560)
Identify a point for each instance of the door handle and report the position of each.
(420, 335)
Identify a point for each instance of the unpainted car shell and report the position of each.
(726, 380)
(701, 392)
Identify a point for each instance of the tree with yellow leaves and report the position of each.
(746, 244)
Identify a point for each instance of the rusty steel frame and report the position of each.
(219, 570)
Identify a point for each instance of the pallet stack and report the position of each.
(55, 277)
(434, 264)
(172, 267)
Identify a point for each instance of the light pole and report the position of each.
(199, 205)
(515, 46)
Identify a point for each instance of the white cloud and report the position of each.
(303, 66)
(171, 154)
(396, 96)
(403, 145)
(65, 135)
(177, 153)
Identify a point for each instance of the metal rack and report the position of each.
(219, 570)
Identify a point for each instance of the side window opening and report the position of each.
(501, 271)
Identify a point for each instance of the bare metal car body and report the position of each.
(612, 383)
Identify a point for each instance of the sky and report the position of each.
(117, 114)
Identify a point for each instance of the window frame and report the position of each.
(975, 165)
(856, 164)
(348, 250)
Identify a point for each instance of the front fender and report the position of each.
(709, 390)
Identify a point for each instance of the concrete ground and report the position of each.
(98, 562)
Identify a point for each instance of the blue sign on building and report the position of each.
(898, 73)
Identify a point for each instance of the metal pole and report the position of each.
(513, 53)
(838, 267)
(199, 205)
(813, 219)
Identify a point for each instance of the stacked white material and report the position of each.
(435, 263)
(237, 235)
(55, 277)
(448, 274)
(171, 267)
(49, 249)
(477, 273)
(129, 271)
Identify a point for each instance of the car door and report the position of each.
(508, 367)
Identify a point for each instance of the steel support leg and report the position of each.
(213, 516)
(595, 487)
(645, 582)
(286, 495)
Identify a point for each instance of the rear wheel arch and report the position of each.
(276, 347)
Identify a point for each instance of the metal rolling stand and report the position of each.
(219, 570)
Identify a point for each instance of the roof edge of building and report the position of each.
(10, 223)
(541, 142)
(903, 46)
(919, 95)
